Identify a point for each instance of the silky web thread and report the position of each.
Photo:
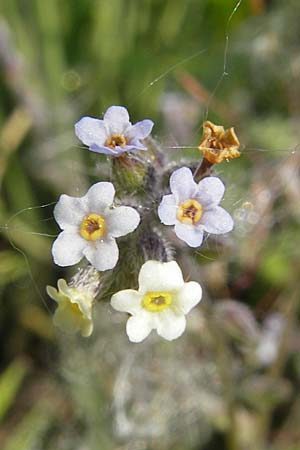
(8, 230)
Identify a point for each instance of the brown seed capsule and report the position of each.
(218, 144)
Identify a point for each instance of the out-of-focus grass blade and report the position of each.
(29, 432)
(19, 191)
(10, 381)
(23, 237)
(48, 20)
(11, 135)
(37, 320)
(12, 267)
(171, 19)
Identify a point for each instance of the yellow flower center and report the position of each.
(92, 227)
(189, 211)
(156, 300)
(115, 140)
(75, 308)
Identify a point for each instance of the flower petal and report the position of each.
(121, 221)
(66, 319)
(210, 192)
(116, 119)
(134, 145)
(116, 151)
(52, 292)
(127, 301)
(105, 150)
(100, 196)
(67, 249)
(91, 131)
(103, 255)
(69, 211)
(189, 296)
(139, 130)
(182, 184)
(84, 301)
(86, 328)
(190, 234)
(139, 327)
(169, 325)
(167, 210)
(63, 287)
(158, 276)
(217, 221)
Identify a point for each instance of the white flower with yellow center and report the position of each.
(161, 302)
(90, 226)
(74, 311)
(194, 208)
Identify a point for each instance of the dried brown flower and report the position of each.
(218, 144)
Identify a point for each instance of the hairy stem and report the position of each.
(202, 170)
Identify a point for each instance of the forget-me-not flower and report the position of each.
(115, 134)
(161, 302)
(194, 208)
(90, 225)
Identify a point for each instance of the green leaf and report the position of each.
(10, 382)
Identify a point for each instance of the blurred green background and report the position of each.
(175, 62)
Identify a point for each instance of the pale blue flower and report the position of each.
(115, 134)
(194, 208)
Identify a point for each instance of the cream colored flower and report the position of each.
(74, 310)
(218, 144)
(161, 302)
